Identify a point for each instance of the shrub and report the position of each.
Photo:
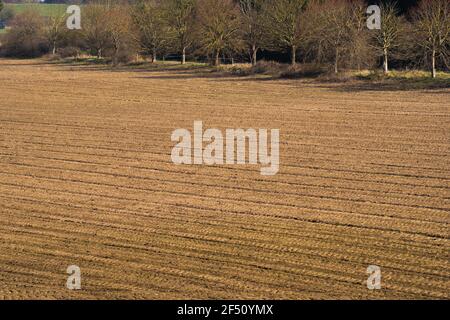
(266, 67)
(279, 70)
(6, 15)
(303, 71)
(68, 52)
(126, 56)
(25, 39)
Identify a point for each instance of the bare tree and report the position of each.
(119, 28)
(55, 30)
(386, 39)
(432, 21)
(312, 22)
(334, 28)
(253, 26)
(284, 24)
(180, 16)
(360, 51)
(218, 27)
(95, 27)
(152, 25)
(337, 33)
(26, 37)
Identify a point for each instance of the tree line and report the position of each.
(325, 32)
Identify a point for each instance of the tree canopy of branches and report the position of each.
(386, 39)
(432, 23)
(360, 53)
(335, 28)
(283, 24)
(119, 28)
(55, 30)
(180, 14)
(253, 26)
(95, 28)
(218, 27)
(153, 32)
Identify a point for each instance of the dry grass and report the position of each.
(86, 179)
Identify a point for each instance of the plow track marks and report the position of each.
(86, 179)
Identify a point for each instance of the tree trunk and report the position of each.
(217, 58)
(385, 62)
(99, 53)
(183, 56)
(54, 48)
(154, 57)
(116, 54)
(433, 63)
(319, 53)
(293, 53)
(254, 55)
(336, 61)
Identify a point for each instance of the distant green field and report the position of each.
(46, 10)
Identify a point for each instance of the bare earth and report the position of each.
(86, 179)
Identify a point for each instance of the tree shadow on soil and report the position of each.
(187, 72)
(352, 86)
(392, 85)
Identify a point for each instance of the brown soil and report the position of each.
(86, 179)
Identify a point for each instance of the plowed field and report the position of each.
(86, 179)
